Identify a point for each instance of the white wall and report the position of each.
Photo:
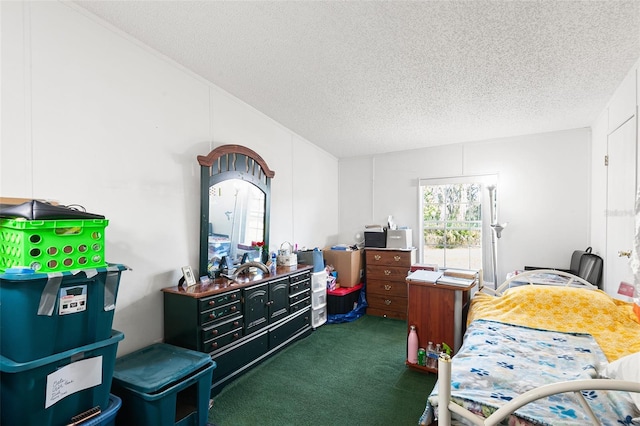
(543, 191)
(622, 106)
(92, 117)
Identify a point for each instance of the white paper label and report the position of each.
(73, 300)
(72, 378)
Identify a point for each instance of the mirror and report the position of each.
(235, 197)
(236, 219)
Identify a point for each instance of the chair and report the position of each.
(584, 264)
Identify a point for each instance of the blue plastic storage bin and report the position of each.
(27, 387)
(107, 417)
(163, 385)
(40, 316)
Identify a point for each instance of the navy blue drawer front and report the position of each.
(288, 329)
(294, 298)
(222, 341)
(221, 312)
(298, 286)
(295, 307)
(220, 328)
(218, 300)
(300, 277)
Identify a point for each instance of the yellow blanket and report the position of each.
(611, 322)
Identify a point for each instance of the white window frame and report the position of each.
(485, 181)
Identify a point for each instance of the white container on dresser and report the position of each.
(318, 298)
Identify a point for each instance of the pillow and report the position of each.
(625, 368)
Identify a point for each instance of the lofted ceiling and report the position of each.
(370, 77)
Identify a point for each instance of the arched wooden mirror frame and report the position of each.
(230, 162)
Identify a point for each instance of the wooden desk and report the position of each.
(439, 312)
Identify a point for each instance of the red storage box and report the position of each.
(343, 299)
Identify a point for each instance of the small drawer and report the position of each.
(390, 257)
(318, 316)
(386, 272)
(295, 307)
(294, 298)
(319, 280)
(299, 277)
(388, 303)
(388, 288)
(221, 312)
(319, 298)
(222, 341)
(298, 286)
(218, 300)
(220, 328)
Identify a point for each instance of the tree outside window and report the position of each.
(452, 225)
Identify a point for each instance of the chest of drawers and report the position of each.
(386, 271)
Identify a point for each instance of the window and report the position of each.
(455, 222)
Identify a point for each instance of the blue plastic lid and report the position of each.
(19, 270)
(157, 366)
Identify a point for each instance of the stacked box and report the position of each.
(347, 263)
(54, 389)
(52, 245)
(107, 417)
(163, 385)
(343, 299)
(42, 314)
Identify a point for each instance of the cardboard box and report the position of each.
(349, 264)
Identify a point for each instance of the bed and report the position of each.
(559, 353)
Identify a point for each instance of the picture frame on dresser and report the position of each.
(189, 278)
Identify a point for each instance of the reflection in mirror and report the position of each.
(236, 221)
(235, 194)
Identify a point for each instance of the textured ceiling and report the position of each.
(370, 77)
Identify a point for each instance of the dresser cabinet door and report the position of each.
(278, 299)
(256, 310)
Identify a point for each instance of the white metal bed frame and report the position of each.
(446, 406)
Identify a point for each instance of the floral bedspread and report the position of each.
(498, 362)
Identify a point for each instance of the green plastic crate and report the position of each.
(52, 245)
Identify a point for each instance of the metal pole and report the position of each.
(494, 246)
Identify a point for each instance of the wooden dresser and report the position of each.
(386, 272)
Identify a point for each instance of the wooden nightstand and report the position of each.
(439, 312)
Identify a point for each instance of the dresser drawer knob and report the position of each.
(397, 258)
(235, 335)
(234, 308)
(387, 272)
(212, 315)
(212, 302)
(214, 345)
(377, 257)
(387, 302)
(214, 332)
(236, 323)
(234, 296)
(387, 287)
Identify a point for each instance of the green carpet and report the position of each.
(343, 374)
